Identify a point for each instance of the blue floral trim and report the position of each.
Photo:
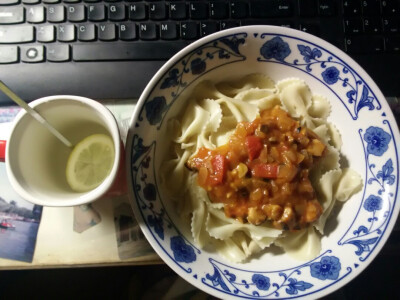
(198, 63)
(366, 235)
(182, 251)
(155, 109)
(330, 70)
(377, 140)
(328, 268)
(156, 217)
(275, 48)
(284, 283)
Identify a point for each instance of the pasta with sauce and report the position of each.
(230, 127)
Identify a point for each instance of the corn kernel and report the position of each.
(242, 170)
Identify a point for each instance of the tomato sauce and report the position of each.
(262, 173)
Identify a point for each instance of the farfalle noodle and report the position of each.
(211, 115)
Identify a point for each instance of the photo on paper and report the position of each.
(130, 240)
(19, 223)
(8, 113)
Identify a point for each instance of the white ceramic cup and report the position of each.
(36, 160)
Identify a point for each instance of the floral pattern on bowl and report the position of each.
(370, 136)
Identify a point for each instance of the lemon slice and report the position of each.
(90, 162)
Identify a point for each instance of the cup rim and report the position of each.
(82, 198)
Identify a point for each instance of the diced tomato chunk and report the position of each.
(265, 170)
(254, 146)
(198, 160)
(218, 163)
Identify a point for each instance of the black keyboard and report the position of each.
(110, 49)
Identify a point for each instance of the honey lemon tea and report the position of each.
(44, 171)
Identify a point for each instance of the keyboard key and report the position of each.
(51, 1)
(7, 2)
(304, 27)
(364, 44)
(308, 8)
(107, 32)
(391, 25)
(352, 8)
(8, 54)
(126, 51)
(96, 12)
(35, 14)
(76, 13)
(16, 34)
(137, 11)
(353, 26)
(327, 8)
(189, 30)
(239, 9)
(45, 33)
(127, 31)
(86, 32)
(157, 11)
(32, 54)
(228, 24)
(208, 27)
(283, 8)
(390, 7)
(55, 13)
(371, 7)
(338, 43)
(30, 1)
(168, 31)
(393, 44)
(147, 31)
(198, 10)
(177, 10)
(372, 25)
(289, 24)
(218, 10)
(11, 15)
(116, 12)
(66, 33)
(58, 52)
(272, 8)
(352, 46)
(309, 28)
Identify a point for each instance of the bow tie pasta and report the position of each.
(256, 163)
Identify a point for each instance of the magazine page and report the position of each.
(19, 219)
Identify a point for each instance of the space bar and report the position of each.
(126, 51)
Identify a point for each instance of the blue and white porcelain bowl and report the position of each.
(370, 146)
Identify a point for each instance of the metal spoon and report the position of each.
(6, 90)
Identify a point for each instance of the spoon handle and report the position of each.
(6, 90)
